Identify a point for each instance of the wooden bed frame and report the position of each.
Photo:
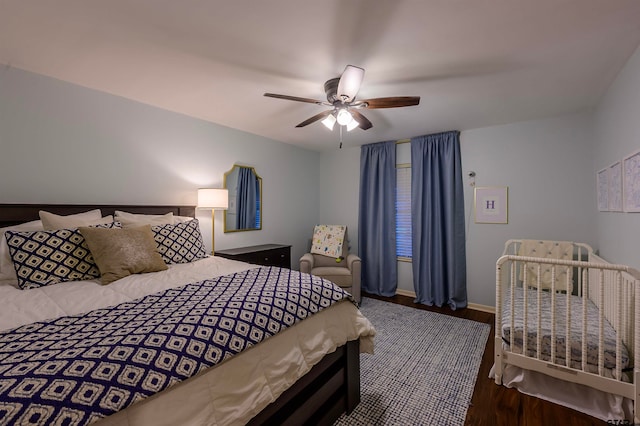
(331, 388)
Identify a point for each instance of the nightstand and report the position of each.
(265, 254)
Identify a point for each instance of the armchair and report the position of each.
(344, 271)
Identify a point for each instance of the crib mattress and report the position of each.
(576, 325)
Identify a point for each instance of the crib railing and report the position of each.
(608, 289)
(576, 251)
(606, 285)
(581, 251)
(613, 292)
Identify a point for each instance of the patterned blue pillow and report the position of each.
(179, 243)
(42, 258)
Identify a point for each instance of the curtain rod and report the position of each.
(403, 141)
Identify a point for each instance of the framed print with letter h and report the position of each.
(491, 204)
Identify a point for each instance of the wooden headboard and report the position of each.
(12, 214)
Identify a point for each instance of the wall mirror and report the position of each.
(245, 199)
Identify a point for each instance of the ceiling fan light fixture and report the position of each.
(329, 122)
(352, 125)
(349, 83)
(344, 117)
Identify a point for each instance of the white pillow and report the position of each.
(129, 220)
(52, 222)
(7, 271)
(181, 219)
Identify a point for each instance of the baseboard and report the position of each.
(482, 308)
(407, 293)
(474, 306)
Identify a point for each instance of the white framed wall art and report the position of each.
(602, 186)
(631, 183)
(615, 187)
(491, 204)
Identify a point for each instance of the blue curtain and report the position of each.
(246, 199)
(437, 221)
(377, 218)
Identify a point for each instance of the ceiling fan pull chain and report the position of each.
(341, 136)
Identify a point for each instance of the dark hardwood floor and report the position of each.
(497, 405)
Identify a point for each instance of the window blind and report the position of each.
(403, 211)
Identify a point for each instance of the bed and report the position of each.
(298, 371)
(567, 325)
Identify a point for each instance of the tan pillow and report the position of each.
(122, 252)
(130, 220)
(52, 222)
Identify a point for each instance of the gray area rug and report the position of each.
(424, 368)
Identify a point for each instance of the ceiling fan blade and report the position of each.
(363, 121)
(349, 84)
(392, 102)
(315, 118)
(293, 98)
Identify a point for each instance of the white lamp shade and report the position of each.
(329, 122)
(349, 83)
(352, 125)
(344, 117)
(213, 198)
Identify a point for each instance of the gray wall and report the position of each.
(545, 163)
(62, 143)
(339, 187)
(547, 166)
(617, 130)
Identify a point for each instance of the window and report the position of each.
(403, 212)
(258, 211)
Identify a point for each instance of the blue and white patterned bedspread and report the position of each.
(78, 369)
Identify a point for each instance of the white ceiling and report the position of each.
(474, 63)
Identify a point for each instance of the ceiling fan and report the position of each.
(341, 95)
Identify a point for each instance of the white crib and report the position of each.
(571, 316)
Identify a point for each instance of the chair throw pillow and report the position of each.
(328, 240)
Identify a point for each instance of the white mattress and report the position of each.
(230, 393)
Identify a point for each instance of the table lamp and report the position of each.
(213, 198)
